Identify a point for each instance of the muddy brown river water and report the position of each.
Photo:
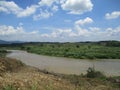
(110, 67)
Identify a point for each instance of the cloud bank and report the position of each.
(77, 33)
(46, 8)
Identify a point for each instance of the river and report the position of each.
(110, 67)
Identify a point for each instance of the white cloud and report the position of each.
(16, 33)
(113, 15)
(2, 9)
(45, 35)
(95, 33)
(62, 35)
(82, 34)
(82, 22)
(94, 29)
(64, 32)
(55, 8)
(46, 8)
(106, 34)
(34, 32)
(47, 2)
(81, 31)
(12, 7)
(28, 11)
(42, 15)
(10, 30)
(77, 6)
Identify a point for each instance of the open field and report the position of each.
(84, 50)
(77, 51)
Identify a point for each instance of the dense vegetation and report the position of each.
(99, 50)
(81, 50)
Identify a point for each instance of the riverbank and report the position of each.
(17, 76)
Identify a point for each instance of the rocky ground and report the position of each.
(14, 75)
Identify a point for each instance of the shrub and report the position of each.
(22, 48)
(77, 46)
(3, 53)
(91, 73)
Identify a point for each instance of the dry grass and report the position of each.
(22, 77)
(26, 78)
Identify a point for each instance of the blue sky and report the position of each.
(59, 20)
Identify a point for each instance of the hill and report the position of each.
(4, 42)
(10, 42)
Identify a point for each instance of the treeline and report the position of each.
(110, 43)
(104, 43)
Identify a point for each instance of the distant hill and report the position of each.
(4, 42)
(9, 42)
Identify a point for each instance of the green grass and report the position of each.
(91, 50)
(72, 50)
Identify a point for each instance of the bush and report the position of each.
(3, 53)
(91, 73)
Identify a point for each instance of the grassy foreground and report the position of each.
(14, 75)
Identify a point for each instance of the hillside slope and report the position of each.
(24, 77)
(14, 75)
(4, 42)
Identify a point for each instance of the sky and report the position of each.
(59, 20)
